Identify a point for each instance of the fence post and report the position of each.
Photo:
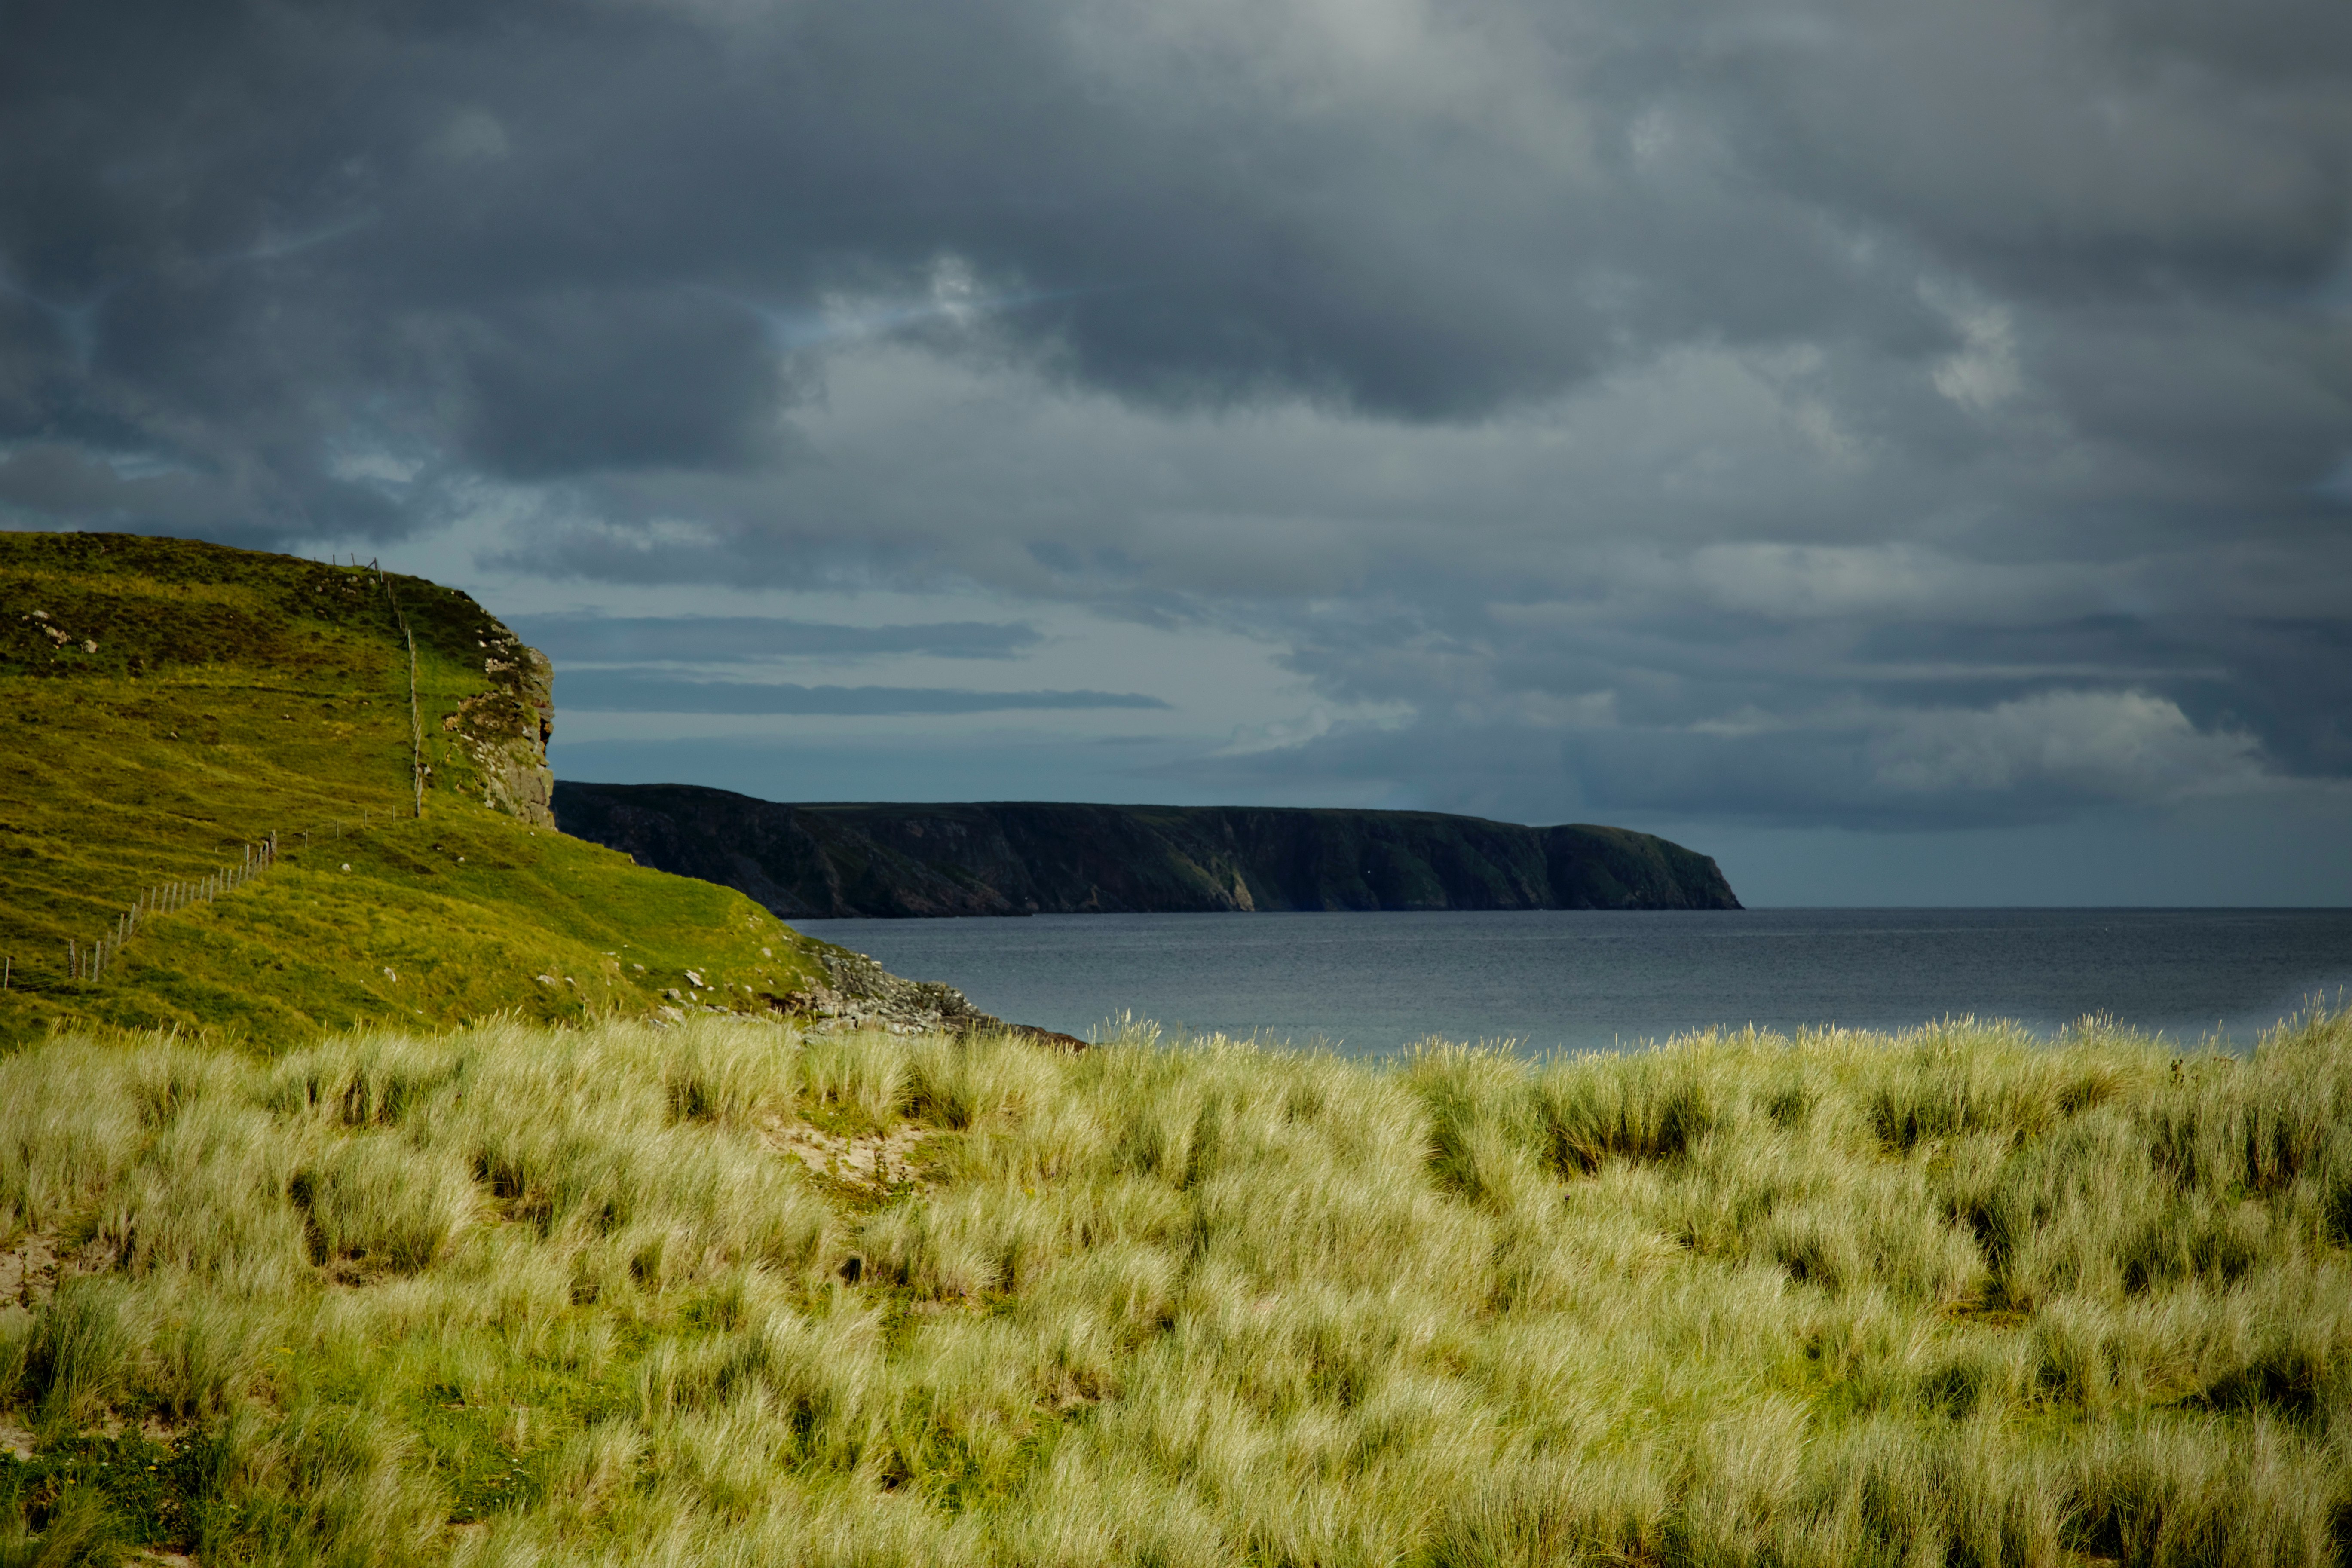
(416, 721)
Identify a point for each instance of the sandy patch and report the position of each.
(31, 1268)
(870, 1160)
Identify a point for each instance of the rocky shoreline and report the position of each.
(864, 996)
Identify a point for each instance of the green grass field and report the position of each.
(521, 1295)
(174, 703)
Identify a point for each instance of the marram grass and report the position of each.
(520, 1296)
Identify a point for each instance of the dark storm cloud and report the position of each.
(731, 639)
(621, 692)
(588, 381)
(1823, 411)
(525, 206)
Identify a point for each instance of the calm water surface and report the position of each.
(1555, 979)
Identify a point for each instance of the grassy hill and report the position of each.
(172, 703)
(564, 1298)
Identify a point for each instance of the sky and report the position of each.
(1902, 449)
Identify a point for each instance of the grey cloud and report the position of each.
(592, 381)
(559, 181)
(2037, 759)
(2041, 758)
(620, 692)
(722, 639)
(51, 485)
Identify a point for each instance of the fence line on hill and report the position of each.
(415, 713)
(88, 962)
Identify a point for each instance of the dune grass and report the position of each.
(520, 1295)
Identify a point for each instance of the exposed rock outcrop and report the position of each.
(864, 996)
(1028, 858)
(505, 729)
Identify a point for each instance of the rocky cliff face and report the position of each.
(1014, 858)
(503, 730)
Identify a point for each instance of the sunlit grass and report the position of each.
(518, 1295)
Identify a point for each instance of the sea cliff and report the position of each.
(1040, 858)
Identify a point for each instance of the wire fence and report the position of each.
(88, 960)
(416, 768)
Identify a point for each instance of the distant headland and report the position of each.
(839, 861)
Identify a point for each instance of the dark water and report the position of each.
(1368, 984)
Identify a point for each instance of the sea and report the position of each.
(1550, 981)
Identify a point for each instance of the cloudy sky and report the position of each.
(1902, 448)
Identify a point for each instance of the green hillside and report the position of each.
(174, 703)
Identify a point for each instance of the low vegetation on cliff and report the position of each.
(727, 1294)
